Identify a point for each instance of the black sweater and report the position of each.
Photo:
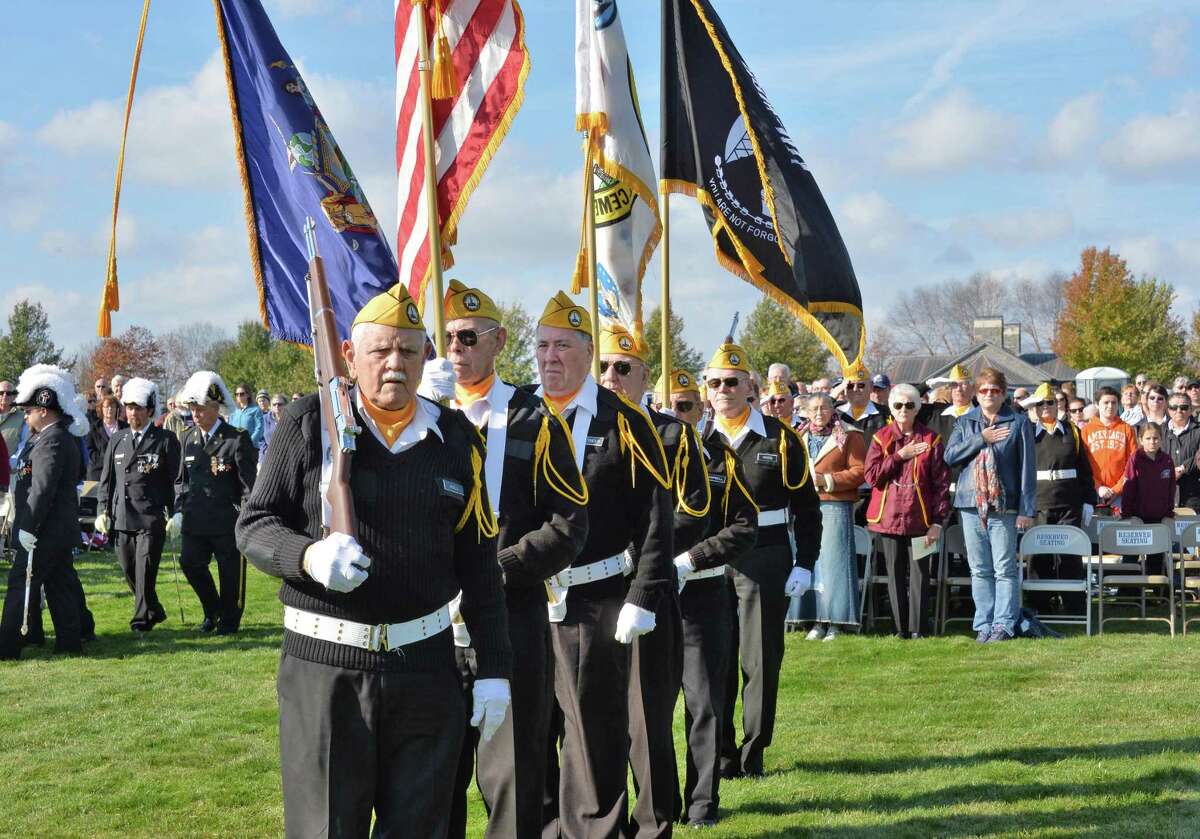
(732, 521)
(408, 505)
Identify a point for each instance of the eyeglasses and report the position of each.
(730, 382)
(1180, 407)
(904, 406)
(467, 337)
(623, 368)
(1154, 397)
(857, 386)
(8, 393)
(240, 393)
(779, 400)
(1077, 410)
(684, 406)
(1047, 403)
(989, 391)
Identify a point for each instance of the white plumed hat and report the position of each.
(142, 392)
(206, 386)
(47, 386)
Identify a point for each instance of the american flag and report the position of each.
(487, 41)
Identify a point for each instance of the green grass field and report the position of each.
(175, 735)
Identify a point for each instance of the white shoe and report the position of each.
(816, 633)
(832, 633)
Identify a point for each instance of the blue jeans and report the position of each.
(995, 578)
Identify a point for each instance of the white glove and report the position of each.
(28, 540)
(798, 582)
(633, 622)
(174, 525)
(438, 379)
(102, 523)
(337, 562)
(683, 568)
(490, 699)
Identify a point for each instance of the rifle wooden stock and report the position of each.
(337, 416)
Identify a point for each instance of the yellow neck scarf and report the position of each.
(732, 427)
(559, 403)
(468, 395)
(391, 423)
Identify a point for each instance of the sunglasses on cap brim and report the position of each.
(623, 368)
(467, 337)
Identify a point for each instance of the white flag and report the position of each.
(624, 201)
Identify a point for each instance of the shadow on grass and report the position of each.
(162, 641)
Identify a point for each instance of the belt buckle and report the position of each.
(377, 640)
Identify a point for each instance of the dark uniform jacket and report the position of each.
(97, 444)
(1183, 448)
(1057, 452)
(764, 459)
(873, 418)
(731, 526)
(543, 516)
(137, 487)
(690, 492)
(214, 478)
(418, 521)
(47, 501)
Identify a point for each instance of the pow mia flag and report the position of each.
(725, 146)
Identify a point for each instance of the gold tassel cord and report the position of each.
(444, 81)
(554, 479)
(682, 459)
(783, 450)
(486, 526)
(110, 300)
(629, 441)
(731, 478)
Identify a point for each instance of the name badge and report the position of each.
(595, 442)
(453, 488)
(1166, 474)
(767, 459)
(189, 458)
(719, 480)
(119, 456)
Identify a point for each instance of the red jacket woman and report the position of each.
(907, 496)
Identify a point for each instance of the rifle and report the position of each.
(337, 416)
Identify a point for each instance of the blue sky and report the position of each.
(948, 138)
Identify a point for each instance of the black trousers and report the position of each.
(1058, 566)
(908, 583)
(139, 552)
(591, 679)
(195, 554)
(510, 769)
(655, 678)
(353, 742)
(707, 623)
(757, 635)
(55, 572)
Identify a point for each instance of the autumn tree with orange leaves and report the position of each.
(1111, 318)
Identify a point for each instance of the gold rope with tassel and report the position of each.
(783, 448)
(485, 521)
(731, 478)
(110, 299)
(542, 461)
(682, 459)
(629, 441)
(444, 82)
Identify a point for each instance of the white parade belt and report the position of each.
(590, 573)
(376, 637)
(1055, 474)
(706, 573)
(769, 518)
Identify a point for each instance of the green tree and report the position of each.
(772, 334)
(1112, 318)
(515, 362)
(27, 341)
(263, 362)
(683, 355)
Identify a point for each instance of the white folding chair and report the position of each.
(1188, 565)
(953, 544)
(864, 549)
(1136, 540)
(1060, 539)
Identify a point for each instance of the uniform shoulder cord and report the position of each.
(485, 521)
(731, 478)
(783, 454)
(629, 441)
(682, 459)
(554, 479)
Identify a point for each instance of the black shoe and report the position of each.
(701, 824)
(223, 629)
(208, 625)
(752, 771)
(730, 770)
(157, 616)
(903, 636)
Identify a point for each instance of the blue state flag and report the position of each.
(291, 168)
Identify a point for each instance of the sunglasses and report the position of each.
(857, 386)
(1155, 398)
(730, 382)
(1077, 410)
(240, 393)
(1047, 403)
(623, 368)
(8, 393)
(684, 406)
(1180, 407)
(467, 337)
(989, 391)
(779, 400)
(904, 406)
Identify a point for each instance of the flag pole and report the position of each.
(425, 68)
(666, 299)
(589, 221)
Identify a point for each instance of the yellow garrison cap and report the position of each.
(857, 373)
(463, 302)
(562, 312)
(617, 340)
(729, 356)
(777, 389)
(1044, 393)
(958, 374)
(681, 382)
(394, 307)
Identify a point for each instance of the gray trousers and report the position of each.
(655, 677)
(139, 552)
(353, 742)
(707, 633)
(757, 592)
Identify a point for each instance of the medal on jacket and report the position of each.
(26, 469)
(147, 463)
(220, 464)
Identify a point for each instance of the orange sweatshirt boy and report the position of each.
(1109, 448)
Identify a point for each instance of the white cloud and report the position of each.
(1158, 144)
(870, 222)
(1176, 261)
(1074, 127)
(1169, 46)
(954, 133)
(179, 135)
(8, 132)
(1026, 228)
